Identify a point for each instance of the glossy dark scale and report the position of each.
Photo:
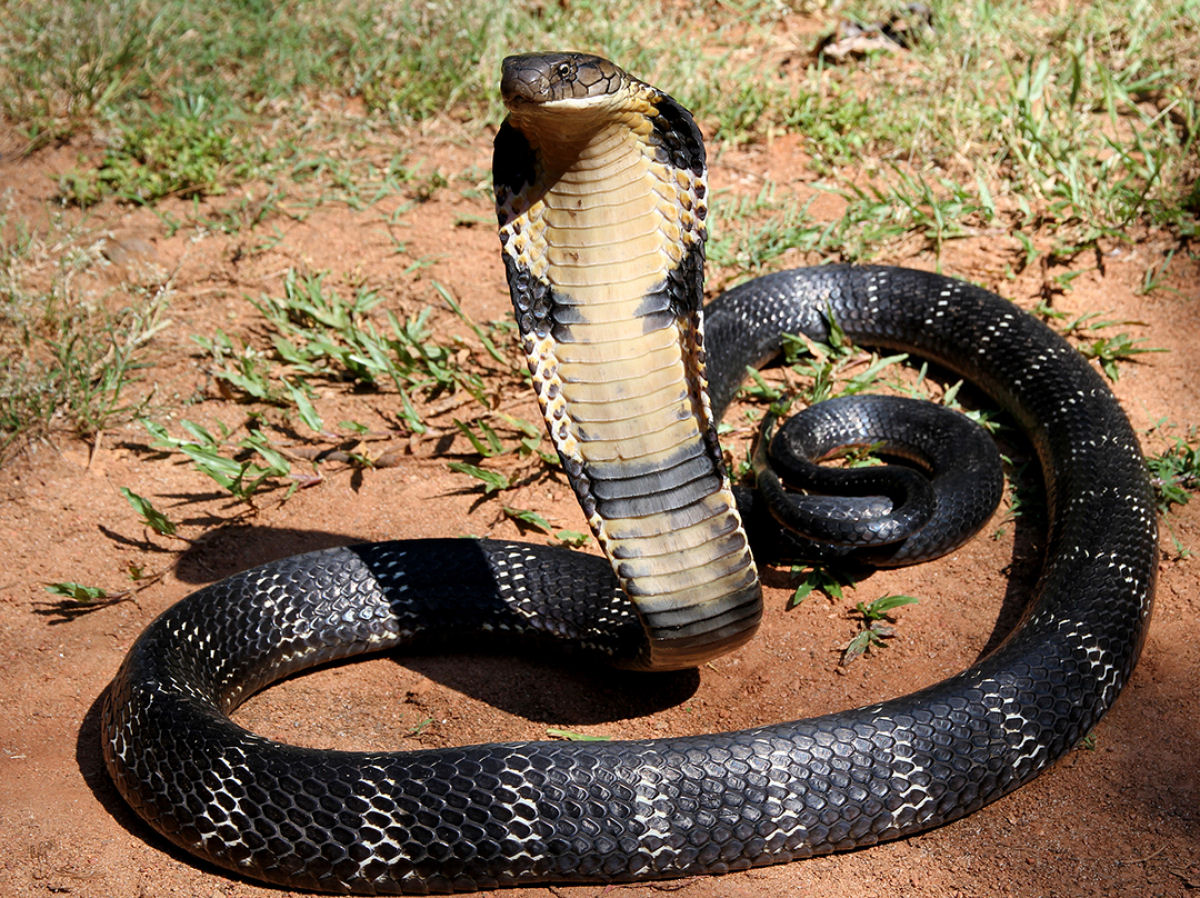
(687, 287)
(513, 165)
(676, 138)
(890, 515)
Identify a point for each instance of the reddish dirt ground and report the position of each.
(1117, 818)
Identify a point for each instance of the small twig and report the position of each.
(96, 439)
(1149, 857)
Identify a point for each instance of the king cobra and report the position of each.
(601, 198)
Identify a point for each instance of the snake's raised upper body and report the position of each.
(601, 200)
(601, 192)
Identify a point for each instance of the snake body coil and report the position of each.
(487, 815)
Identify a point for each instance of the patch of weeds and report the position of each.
(186, 151)
(301, 395)
(419, 727)
(749, 241)
(245, 372)
(492, 481)
(150, 516)
(524, 518)
(839, 122)
(1076, 116)
(74, 600)
(573, 736)
(910, 201)
(826, 367)
(815, 577)
(1176, 472)
(875, 625)
(575, 538)
(243, 214)
(243, 469)
(487, 443)
(242, 368)
(73, 62)
(520, 439)
(517, 444)
(319, 333)
(760, 389)
(69, 362)
(1109, 351)
(77, 592)
(1025, 494)
(1094, 126)
(987, 418)
(490, 443)
(68, 62)
(1156, 275)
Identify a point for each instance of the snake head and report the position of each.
(558, 79)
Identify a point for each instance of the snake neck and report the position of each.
(603, 239)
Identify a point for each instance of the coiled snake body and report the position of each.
(581, 137)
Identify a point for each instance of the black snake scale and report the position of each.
(487, 815)
(886, 516)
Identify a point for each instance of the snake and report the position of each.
(602, 205)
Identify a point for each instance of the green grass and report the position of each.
(184, 151)
(1092, 111)
(1088, 333)
(315, 332)
(1084, 119)
(1175, 476)
(73, 63)
(1083, 123)
(245, 468)
(1176, 472)
(810, 578)
(69, 360)
(875, 621)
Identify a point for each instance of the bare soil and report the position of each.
(1118, 817)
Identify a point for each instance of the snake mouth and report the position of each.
(601, 194)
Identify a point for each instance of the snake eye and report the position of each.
(564, 70)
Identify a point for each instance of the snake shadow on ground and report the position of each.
(538, 687)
